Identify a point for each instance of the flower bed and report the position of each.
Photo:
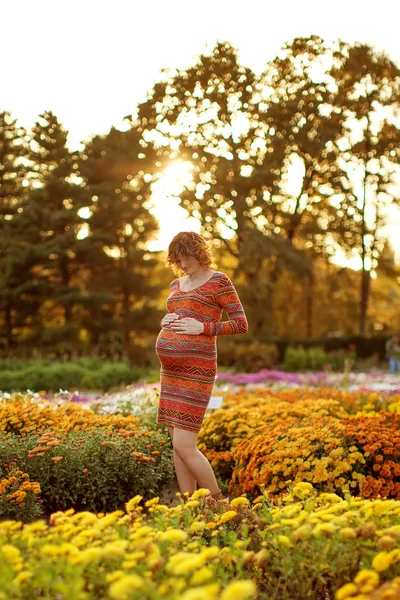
(340, 441)
(350, 381)
(77, 458)
(309, 547)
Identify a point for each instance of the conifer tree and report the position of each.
(14, 258)
(117, 171)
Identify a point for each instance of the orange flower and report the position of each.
(57, 459)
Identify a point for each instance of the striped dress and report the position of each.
(189, 362)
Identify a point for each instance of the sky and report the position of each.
(91, 61)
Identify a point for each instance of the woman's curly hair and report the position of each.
(188, 243)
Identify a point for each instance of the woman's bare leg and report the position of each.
(186, 481)
(185, 446)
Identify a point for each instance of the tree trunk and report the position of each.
(125, 315)
(8, 325)
(365, 275)
(65, 278)
(310, 304)
(365, 287)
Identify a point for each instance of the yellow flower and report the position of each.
(120, 589)
(324, 528)
(152, 501)
(239, 590)
(115, 549)
(191, 504)
(211, 525)
(348, 533)
(201, 576)
(382, 561)
(367, 579)
(114, 576)
(173, 535)
(230, 514)
(197, 527)
(285, 541)
(303, 489)
(241, 501)
(11, 553)
(210, 552)
(184, 562)
(132, 503)
(86, 556)
(257, 500)
(143, 531)
(200, 493)
(349, 589)
(23, 576)
(207, 592)
(302, 532)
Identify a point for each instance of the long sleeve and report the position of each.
(228, 299)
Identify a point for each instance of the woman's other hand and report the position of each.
(168, 319)
(187, 326)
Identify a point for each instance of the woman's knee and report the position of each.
(184, 443)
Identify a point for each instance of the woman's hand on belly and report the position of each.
(168, 319)
(187, 326)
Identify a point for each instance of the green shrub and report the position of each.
(98, 470)
(248, 357)
(338, 358)
(295, 359)
(83, 373)
(315, 359)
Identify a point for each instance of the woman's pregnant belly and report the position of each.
(179, 348)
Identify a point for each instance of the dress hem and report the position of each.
(178, 425)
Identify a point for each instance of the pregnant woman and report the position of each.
(186, 348)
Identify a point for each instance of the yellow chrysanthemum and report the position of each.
(11, 553)
(284, 541)
(346, 591)
(230, 514)
(382, 561)
(207, 592)
(120, 589)
(302, 489)
(201, 576)
(324, 529)
(241, 501)
(132, 503)
(348, 533)
(239, 590)
(152, 502)
(367, 579)
(192, 504)
(200, 493)
(184, 562)
(23, 576)
(197, 527)
(173, 535)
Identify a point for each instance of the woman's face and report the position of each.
(187, 263)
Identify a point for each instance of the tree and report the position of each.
(14, 261)
(369, 99)
(209, 116)
(53, 216)
(245, 137)
(117, 174)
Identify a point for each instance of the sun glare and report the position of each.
(165, 197)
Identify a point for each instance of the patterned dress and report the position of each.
(189, 362)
